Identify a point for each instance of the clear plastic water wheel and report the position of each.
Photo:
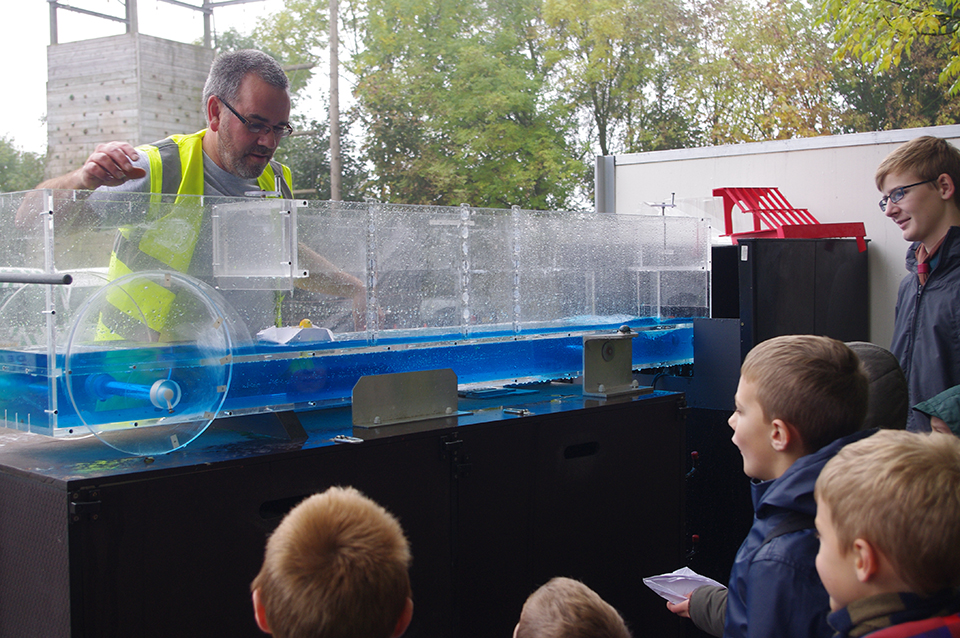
(149, 360)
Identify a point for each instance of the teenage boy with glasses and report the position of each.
(919, 185)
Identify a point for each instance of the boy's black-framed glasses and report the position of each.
(898, 193)
(281, 131)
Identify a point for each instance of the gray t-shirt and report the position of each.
(216, 181)
(257, 308)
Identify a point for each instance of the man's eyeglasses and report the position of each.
(256, 128)
(897, 193)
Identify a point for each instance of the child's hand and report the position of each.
(680, 609)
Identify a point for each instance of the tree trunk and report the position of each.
(335, 169)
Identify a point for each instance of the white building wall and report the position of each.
(831, 176)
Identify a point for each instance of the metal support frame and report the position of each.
(130, 18)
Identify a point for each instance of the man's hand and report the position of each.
(110, 164)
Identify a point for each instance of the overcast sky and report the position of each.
(24, 48)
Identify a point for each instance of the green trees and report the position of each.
(501, 102)
(767, 74)
(880, 32)
(19, 170)
(621, 64)
(456, 108)
(905, 96)
(308, 155)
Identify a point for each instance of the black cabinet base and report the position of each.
(97, 544)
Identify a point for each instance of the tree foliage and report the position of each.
(19, 170)
(500, 102)
(308, 155)
(905, 96)
(456, 108)
(618, 61)
(297, 36)
(767, 73)
(880, 33)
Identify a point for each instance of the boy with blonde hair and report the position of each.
(888, 515)
(566, 608)
(919, 181)
(800, 399)
(336, 566)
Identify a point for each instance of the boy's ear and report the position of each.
(404, 621)
(866, 560)
(784, 437)
(946, 186)
(259, 613)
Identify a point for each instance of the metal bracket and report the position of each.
(80, 509)
(401, 397)
(451, 448)
(608, 365)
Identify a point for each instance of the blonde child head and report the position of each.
(900, 492)
(816, 384)
(566, 608)
(337, 565)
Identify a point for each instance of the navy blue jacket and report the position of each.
(774, 589)
(926, 331)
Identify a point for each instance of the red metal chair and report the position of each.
(773, 216)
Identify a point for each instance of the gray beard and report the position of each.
(237, 165)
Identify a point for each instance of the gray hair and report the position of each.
(229, 69)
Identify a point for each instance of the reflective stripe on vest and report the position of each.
(168, 242)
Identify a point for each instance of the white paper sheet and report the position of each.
(294, 334)
(675, 586)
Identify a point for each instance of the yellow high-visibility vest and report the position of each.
(168, 243)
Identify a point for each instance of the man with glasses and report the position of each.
(247, 105)
(919, 182)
